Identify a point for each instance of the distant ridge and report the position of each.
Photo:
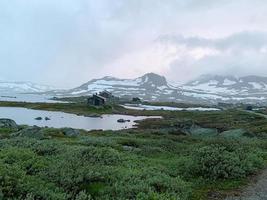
(22, 87)
(153, 87)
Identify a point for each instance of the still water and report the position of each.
(24, 116)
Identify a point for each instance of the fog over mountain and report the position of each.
(66, 43)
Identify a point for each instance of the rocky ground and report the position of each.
(256, 191)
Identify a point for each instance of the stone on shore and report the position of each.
(8, 123)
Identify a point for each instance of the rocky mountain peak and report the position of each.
(154, 79)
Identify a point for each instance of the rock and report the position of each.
(70, 132)
(189, 127)
(123, 120)
(47, 118)
(94, 115)
(8, 123)
(38, 118)
(31, 132)
(236, 133)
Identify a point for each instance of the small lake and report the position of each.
(24, 116)
(148, 107)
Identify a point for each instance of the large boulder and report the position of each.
(186, 126)
(31, 132)
(8, 123)
(189, 127)
(70, 132)
(236, 133)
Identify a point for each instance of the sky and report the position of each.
(65, 43)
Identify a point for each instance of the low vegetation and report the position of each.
(160, 160)
(124, 165)
(75, 108)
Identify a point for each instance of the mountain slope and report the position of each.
(22, 87)
(153, 87)
(228, 85)
(150, 87)
(214, 88)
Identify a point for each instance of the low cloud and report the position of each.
(243, 53)
(66, 43)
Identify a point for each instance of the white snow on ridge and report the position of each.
(205, 96)
(23, 87)
(210, 88)
(248, 98)
(256, 85)
(118, 82)
(228, 82)
(147, 107)
(79, 92)
(162, 87)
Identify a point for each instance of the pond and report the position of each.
(148, 107)
(24, 116)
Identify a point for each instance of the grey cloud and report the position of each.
(248, 40)
(67, 42)
(242, 53)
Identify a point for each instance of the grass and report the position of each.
(75, 108)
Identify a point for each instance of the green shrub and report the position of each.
(104, 155)
(83, 196)
(219, 162)
(137, 184)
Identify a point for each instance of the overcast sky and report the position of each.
(67, 42)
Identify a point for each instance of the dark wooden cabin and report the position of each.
(136, 100)
(96, 100)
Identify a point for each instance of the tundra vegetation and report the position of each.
(184, 155)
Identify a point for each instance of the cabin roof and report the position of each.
(100, 97)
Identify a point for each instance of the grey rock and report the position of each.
(123, 120)
(70, 132)
(38, 118)
(235, 133)
(8, 123)
(31, 132)
(189, 127)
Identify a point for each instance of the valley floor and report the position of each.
(184, 155)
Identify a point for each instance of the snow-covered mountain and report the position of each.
(153, 87)
(22, 87)
(228, 85)
(150, 87)
(247, 89)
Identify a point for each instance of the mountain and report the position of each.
(229, 85)
(153, 87)
(150, 87)
(22, 87)
(247, 89)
